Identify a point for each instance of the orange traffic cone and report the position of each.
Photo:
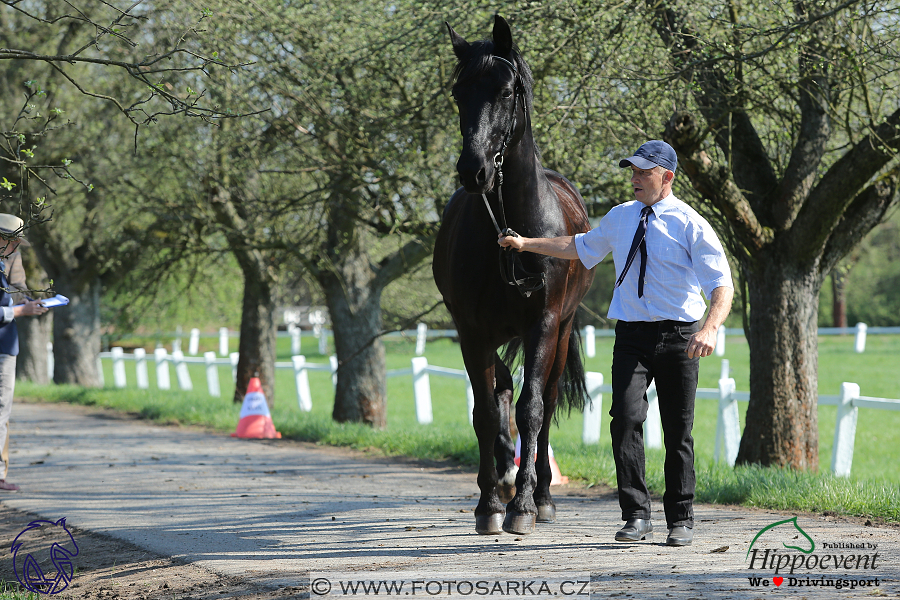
(558, 477)
(255, 422)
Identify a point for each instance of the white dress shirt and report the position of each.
(684, 256)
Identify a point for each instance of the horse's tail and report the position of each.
(573, 393)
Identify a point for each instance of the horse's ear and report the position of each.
(502, 37)
(460, 46)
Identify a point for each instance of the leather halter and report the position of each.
(511, 268)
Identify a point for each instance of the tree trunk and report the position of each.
(258, 337)
(34, 335)
(353, 296)
(76, 332)
(838, 297)
(781, 423)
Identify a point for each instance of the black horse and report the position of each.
(527, 301)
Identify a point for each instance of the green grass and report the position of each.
(11, 590)
(872, 490)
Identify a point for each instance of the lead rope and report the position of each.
(498, 165)
(533, 281)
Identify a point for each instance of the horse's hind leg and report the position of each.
(504, 447)
(546, 509)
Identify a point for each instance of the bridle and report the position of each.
(510, 262)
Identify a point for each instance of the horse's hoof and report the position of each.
(518, 523)
(506, 493)
(489, 524)
(546, 514)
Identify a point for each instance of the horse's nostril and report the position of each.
(481, 177)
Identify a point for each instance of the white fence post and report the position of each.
(162, 368)
(590, 430)
(181, 371)
(470, 400)
(728, 426)
(118, 362)
(323, 342)
(861, 337)
(212, 374)
(590, 341)
(422, 390)
(50, 365)
(140, 369)
(100, 377)
(234, 357)
(223, 341)
(845, 431)
(720, 341)
(176, 343)
(725, 370)
(653, 424)
(295, 339)
(304, 397)
(332, 360)
(194, 342)
(421, 337)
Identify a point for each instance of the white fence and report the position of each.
(728, 433)
(859, 332)
(849, 401)
(421, 334)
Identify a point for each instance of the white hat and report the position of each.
(12, 224)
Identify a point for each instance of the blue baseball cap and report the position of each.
(654, 153)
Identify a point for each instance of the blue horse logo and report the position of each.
(42, 556)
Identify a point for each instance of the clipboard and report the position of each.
(57, 300)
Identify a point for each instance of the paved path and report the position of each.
(275, 511)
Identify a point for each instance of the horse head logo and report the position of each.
(42, 556)
(793, 520)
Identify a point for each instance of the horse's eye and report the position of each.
(506, 95)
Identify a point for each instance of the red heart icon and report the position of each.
(778, 580)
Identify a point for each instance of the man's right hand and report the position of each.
(508, 241)
(29, 309)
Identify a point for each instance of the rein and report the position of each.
(510, 261)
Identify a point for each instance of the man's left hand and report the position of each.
(702, 343)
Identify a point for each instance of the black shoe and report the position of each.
(635, 530)
(680, 536)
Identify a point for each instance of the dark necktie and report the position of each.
(638, 242)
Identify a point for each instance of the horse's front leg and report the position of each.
(540, 354)
(486, 421)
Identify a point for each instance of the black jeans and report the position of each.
(643, 352)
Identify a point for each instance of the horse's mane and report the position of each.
(480, 58)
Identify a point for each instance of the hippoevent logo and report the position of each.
(42, 556)
(797, 564)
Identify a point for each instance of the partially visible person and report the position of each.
(15, 273)
(10, 225)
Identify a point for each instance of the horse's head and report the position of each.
(493, 93)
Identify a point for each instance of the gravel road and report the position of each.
(175, 512)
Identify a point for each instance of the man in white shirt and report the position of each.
(658, 305)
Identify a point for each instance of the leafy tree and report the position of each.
(76, 50)
(787, 126)
(137, 40)
(352, 131)
(871, 281)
